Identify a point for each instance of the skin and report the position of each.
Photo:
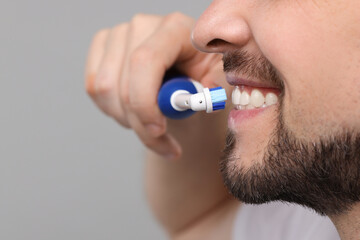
(320, 72)
(183, 183)
(316, 51)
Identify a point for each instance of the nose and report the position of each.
(222, 27)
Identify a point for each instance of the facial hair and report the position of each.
(323, 175)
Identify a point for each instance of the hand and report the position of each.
(126, 65)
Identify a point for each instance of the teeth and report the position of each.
(236, 95)
(245, 98)
(271, 99)
(256, 98)
(242, 100)
(250, 106)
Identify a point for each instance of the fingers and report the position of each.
(152, 133)
(108, 77)
(104, 69)
(125, 70)
(143, 76)
(147, 65)
(140, 28)
(164, 145)
(96, 52)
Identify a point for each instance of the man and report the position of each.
(301, 146)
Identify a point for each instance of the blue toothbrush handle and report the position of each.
(166, 91)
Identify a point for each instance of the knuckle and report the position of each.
(135, 106)
(89, 84)
(139, 107)
(138, 18)
(110, 61)
(176, 17)
(149, 142)
(104, 84)
(125, 98)
(179, 20)
(142, 55)
(141, 20)
(120, 27)
(101, 34)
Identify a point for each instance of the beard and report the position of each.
(322, 175)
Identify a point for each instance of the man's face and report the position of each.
(305, 148)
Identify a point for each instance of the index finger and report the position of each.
(170, 43)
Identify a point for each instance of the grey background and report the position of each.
(66, 170)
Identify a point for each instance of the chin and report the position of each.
(285, 168)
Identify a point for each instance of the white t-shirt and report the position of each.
(281, 221)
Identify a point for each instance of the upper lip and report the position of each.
(238, 80)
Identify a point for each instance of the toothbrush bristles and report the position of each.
(218, 98)
(218, 106)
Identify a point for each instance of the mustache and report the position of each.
(250, 65)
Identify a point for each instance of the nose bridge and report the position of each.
(223, 24)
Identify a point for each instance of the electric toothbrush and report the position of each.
(180, 97)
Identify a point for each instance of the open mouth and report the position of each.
(247, 98)
(251, 98)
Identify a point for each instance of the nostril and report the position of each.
(216, 43)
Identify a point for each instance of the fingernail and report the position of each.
(154, 129)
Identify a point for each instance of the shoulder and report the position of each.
(278, 220)
(216, 224)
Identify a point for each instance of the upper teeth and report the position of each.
(245, 98)
(242, 100)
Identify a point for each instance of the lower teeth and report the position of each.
(249, 106)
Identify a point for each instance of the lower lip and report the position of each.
(239, 116)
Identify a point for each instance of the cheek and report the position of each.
(319, 71)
